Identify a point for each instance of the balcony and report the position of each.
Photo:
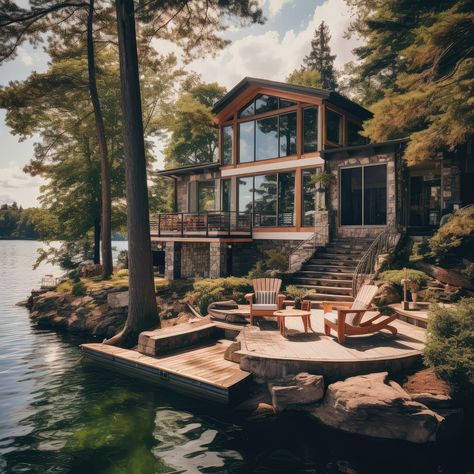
(210, 224)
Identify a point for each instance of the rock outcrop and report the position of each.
(301, 389)
(100, 313)
(373, 406)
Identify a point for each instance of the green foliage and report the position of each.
(68, 255)
(305, 77)
(79, 289)
(320, 58)
(273, 263)
(122, 258)
(325, 179)
(294, 292)
(417, 56)
(450, 345)
(208, 291)
(396, 276)
(18, 223)
(194, 136)
(122, 273)
(455, 237)
(420, 249)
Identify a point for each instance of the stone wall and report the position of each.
(195, 259)
(335, 165)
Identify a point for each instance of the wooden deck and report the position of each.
(266, 353)
(199, 371)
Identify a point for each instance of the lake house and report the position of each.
(274, 139)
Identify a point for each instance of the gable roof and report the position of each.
(332, 96)
(190, 169)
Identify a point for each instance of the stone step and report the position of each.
(325, 296)
(322, 274)
(338, 256)
(339, 290)
(341, 250)
(328, 268)
(322, 281)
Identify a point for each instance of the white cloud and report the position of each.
(17, 186)
(275, 6)
(270, 56)
(25, 57)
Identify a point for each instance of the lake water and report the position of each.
(59, 414)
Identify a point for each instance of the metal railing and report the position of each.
(202, 224)
(369, 265)
(306, 249)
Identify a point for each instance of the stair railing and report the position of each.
(370, 264)
(306, 249)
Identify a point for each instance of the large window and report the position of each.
(270, 137)
(310, 129)
(333, 126)
(308, 197)
(225, 194)
(227, 139)
(246, 142)
(265, 103)
(265, 200)
(266, 138)
(206, 196)
(270, 197)
(364, 195)
(353, 134)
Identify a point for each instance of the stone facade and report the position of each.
(195, 260)
(334, 165)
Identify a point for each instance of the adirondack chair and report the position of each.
(346, 317)
(266, 298)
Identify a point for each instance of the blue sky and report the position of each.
(269, 51)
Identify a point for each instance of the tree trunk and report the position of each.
(142, 310)
(107, 266)
(97, 241)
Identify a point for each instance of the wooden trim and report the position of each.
(251, 92)
(298, 198)
(270, 113)
(201, 239)
(236, 138)
(257, 230)
(256, 163)
(299, 131)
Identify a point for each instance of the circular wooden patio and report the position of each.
(266, 353)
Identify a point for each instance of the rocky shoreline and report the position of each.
(100, 313)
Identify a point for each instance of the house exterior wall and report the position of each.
(334, 165)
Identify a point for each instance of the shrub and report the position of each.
(65, 286)
(295, 292)
(122, 258)
(450, 345)
(396, 276)
(79, 289)
(273, 263)
(122, 273)
(422, 248)
(208, 291)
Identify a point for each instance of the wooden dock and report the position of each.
(199, 371)
(266, 353)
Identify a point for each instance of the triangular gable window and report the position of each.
(265, 103)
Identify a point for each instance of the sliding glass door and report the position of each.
(364, 195)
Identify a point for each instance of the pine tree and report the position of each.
(320, 58)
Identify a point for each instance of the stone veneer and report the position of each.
(335, 164)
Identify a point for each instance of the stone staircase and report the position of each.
(330, 270)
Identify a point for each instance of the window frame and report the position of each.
(358, 226)
(341, 127)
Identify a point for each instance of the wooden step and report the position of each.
(338, 256)
(326, 297)
(329, 268)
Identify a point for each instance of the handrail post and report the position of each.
(228, 226)
(206, 217)
(159, 224)
(182, 224)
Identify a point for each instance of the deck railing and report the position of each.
(202, 224)
(369, 265)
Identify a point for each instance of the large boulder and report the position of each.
(425, 387)
(301, 389)
(373, 406)
(388, 293)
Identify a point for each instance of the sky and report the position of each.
(269, 51)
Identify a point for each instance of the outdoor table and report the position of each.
(293, 313)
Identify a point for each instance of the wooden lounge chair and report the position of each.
(346, 317)
(266, 298)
